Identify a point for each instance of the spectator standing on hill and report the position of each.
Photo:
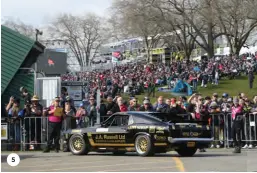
(250, 78)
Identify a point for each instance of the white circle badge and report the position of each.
(13, 159)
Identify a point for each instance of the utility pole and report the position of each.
(38, 33)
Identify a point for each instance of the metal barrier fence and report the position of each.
(35, 132)
(222, 124)
(11, 133)
(31, 133)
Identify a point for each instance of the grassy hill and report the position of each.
(232, 87)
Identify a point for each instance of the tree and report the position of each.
(199, 15)
(138, 18)
(237, 19)
(20, 27)
(83, 34)
(177, 31)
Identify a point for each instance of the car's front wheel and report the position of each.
(78, 145)
(143, 145)
(186, 152)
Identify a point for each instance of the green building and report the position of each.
(18, 54)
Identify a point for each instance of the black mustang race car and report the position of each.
(146, 133)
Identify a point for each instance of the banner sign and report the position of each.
(4, 131)
(74, 89)
(158, 51)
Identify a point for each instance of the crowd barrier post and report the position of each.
(35, 132)
(218, 128)
(250, 128)
(228, 123)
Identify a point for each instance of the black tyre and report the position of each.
(144, 145)
(119, 153)
(78, 145)
(186, 152)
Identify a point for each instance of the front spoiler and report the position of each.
(184, 140)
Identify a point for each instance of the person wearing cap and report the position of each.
(81, 117)
(224, 97)
(25, 94)
(54, 125)
(216, 120)
(146, 107)
(237, 124)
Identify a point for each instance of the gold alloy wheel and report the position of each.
(77, 144)
(142, 145)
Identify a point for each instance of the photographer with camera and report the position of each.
(36, 112)
(15, 114)
(25, 95)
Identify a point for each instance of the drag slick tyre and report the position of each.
(78, 145)
(186, 152)
(143, 145)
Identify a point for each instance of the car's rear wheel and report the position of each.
(78, 145)
(186, 152)
(143, 145)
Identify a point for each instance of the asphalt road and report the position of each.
(212, 160)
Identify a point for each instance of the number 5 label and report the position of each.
(13, 159)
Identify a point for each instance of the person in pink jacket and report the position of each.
(237, 124)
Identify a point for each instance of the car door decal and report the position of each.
(107, 140)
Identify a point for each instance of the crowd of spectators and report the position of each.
(136, 79)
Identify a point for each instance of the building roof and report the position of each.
(14, 50)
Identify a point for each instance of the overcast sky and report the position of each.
(37, 12)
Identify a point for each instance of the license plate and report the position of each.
(191, 144)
